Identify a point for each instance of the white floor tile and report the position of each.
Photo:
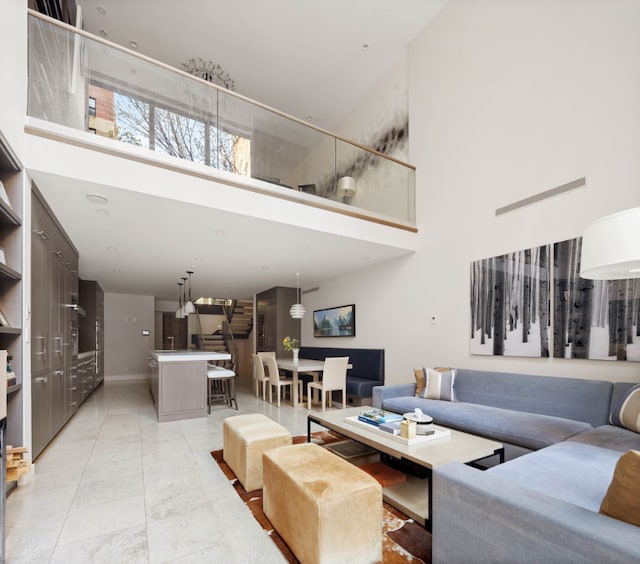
(128, 546)
(101, 518)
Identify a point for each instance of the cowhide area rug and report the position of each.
(403, 540)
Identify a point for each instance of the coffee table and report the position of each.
(412, 497)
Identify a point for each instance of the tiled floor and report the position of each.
(116, 486)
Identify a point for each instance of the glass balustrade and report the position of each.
(87, 83)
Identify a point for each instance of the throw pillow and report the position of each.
(440, 384)
(418, 373)
(627, 412)
(622, 500)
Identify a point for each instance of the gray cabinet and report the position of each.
(92, 325)
(274, 322)
(54, 291)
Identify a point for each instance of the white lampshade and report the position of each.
(297, 311)
(611, 247)
(346, 188)
(189, 308)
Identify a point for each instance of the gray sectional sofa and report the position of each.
(542, 504)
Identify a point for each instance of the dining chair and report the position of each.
(260, 376)
(334, 377)
(276, 380)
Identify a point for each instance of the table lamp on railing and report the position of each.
(611, 247)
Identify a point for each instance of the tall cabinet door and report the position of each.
(40, 313)
(40, 331)
(57, 377)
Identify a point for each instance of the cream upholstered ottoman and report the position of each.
(245, 439)
(325, 509)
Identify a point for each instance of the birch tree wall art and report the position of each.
(510, 304)
(593, 319)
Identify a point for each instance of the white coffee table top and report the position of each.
(456, 446)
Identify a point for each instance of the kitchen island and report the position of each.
(178, 382)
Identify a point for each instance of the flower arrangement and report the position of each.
(289, 344)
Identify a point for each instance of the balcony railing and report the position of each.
(84, 82)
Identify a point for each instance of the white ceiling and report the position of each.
(303, 57)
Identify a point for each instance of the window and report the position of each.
(92, 106)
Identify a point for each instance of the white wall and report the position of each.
(126, 350)
(507, 100)
(13, 70)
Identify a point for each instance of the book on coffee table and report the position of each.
(439, 432)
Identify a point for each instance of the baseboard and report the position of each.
(114, 377)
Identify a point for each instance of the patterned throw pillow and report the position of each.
(622, 500)
(440, 384)
(627, 412)
(420, 377)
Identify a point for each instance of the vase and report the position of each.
(295, 354)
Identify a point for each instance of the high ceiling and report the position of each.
(304, 57)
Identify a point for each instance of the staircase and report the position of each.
(241, 321)
(239, 326)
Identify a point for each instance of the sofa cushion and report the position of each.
(573, 398)
(576, 473)
(439, 384)
(528, 430)
(627, 411)
(611, 437)
(622, 500)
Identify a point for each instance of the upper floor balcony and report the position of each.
(86, 83)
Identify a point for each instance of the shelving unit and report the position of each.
(11, 304)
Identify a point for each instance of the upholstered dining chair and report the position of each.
(276, 380)
(334, 377)
(260, 376)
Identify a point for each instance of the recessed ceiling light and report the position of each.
(97, 199)
(103, 32)
(219, 232)
(133, 44)
(101, 10)
(365, 47)
(102, 211)
(309, 118)
(113, 249)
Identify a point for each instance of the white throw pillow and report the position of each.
(440, 384)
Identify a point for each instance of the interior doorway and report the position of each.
(174, 332)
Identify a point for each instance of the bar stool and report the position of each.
(221, 386)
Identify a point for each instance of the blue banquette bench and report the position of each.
(367, 371)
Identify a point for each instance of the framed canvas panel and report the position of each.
(510, 304)
(593, 319)
(335, 321)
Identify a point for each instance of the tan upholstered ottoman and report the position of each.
(245, 439)
(324, 508)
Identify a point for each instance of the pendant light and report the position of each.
(297, 310)
(179, 310)
(189, 307)
(184, 300)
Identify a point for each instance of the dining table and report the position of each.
(304, 366)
